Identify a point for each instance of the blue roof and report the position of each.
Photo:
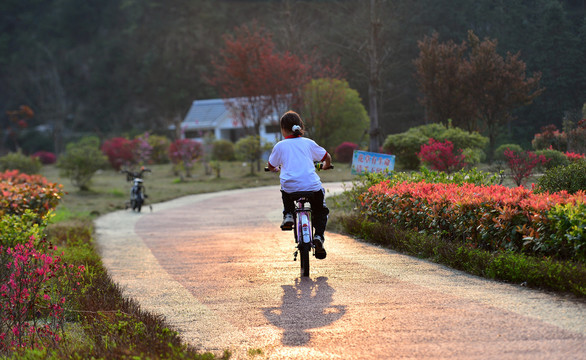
(206, 113)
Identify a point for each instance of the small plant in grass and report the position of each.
(184, 153)
(522, 164)
(440, 156)
(223, 150)
(249, 149)
(81, 161)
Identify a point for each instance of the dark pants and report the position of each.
(319, 210)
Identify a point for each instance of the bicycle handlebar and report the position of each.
(318, 168)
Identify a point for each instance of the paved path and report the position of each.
(220, 270)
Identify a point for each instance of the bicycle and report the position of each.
(137, 192)
(302, 226)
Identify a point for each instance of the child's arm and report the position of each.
(272, 168)
(327, 161)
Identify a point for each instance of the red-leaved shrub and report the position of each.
(21, 191)
(45, 157)
(119, 151)
(522, 164)
(345, 151)
(440, 156)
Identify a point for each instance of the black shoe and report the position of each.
(287, 223)
(318, 242)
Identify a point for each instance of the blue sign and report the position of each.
(364, 161)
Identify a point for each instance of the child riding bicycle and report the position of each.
(294, 157)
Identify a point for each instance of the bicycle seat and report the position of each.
(301, 194)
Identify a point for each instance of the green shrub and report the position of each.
(499, 153)
(81, 161)
(571, 178)
(223, 150)
(19, 229)
(160, 149)
(474, 156)
(249, 149)
(569, 221)
(554, 158)
(405, 146)
(21, 162)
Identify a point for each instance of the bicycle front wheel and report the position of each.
(304, 255)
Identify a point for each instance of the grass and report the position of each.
(109, 189)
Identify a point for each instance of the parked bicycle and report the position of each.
(302, 227)
(137, 192)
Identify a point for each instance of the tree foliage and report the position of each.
(472, 84)
(333, 113)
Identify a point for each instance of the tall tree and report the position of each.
(249, 68)
(489, 86)
(334, 113)
(439, 77)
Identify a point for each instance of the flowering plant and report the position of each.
(35, 285)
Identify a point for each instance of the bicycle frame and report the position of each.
(303, 232)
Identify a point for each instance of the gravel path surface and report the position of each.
(220, 270)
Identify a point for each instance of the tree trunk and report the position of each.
(374, 77)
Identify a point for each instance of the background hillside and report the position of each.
(112, 66)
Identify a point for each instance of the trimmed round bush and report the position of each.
(21, 162)
(223, 150)
(405, 146)
(160, 149)
(345, 151)
(571, 178)
(554, 158)
(499, 153)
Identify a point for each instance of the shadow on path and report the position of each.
(306, 305)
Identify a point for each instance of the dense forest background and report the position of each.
(123, 66)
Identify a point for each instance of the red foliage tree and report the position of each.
(522, 164)
(441, 157)
(266, 81)
(472, 84)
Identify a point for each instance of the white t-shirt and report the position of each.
(296, 157)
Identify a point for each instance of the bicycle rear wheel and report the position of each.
(304, 257)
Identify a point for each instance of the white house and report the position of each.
(212, 116)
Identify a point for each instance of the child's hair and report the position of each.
(291, 119)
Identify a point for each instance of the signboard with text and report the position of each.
(364, 161)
